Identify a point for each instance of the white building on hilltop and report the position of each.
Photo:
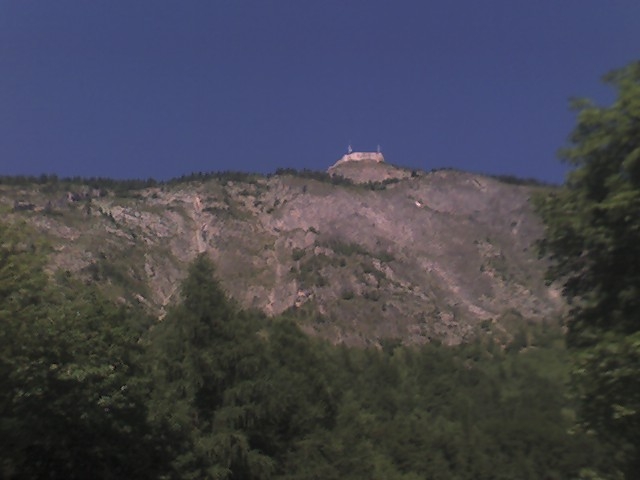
(351, 156)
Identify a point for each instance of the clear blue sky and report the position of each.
(137, 89)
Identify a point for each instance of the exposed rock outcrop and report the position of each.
(425, 256)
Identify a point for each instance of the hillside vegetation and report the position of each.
(92, 389)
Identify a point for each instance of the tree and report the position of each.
(70, 402)
(592, 235)
(206, 362)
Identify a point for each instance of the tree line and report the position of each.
(92, 389)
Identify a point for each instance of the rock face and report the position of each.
(421, 256)
(362, 167)
(373, 157)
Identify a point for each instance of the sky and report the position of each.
(158, 88)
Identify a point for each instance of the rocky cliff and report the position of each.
(410, 255)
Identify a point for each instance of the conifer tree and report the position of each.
(205, 361)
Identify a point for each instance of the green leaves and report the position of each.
(71, 404)
(206, 360)
(217, 393)
(592, 234)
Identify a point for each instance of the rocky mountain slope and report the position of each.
(392, 254)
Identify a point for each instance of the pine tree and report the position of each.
(206, 362)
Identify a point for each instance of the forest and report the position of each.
(92, 389)
(102, 390)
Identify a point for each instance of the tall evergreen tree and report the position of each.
(206, 360)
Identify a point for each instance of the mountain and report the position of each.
(367, 252)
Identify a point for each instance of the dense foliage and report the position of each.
(72, 402)
(94, 390)
(593, 236)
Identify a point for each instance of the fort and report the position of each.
(351, 156)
